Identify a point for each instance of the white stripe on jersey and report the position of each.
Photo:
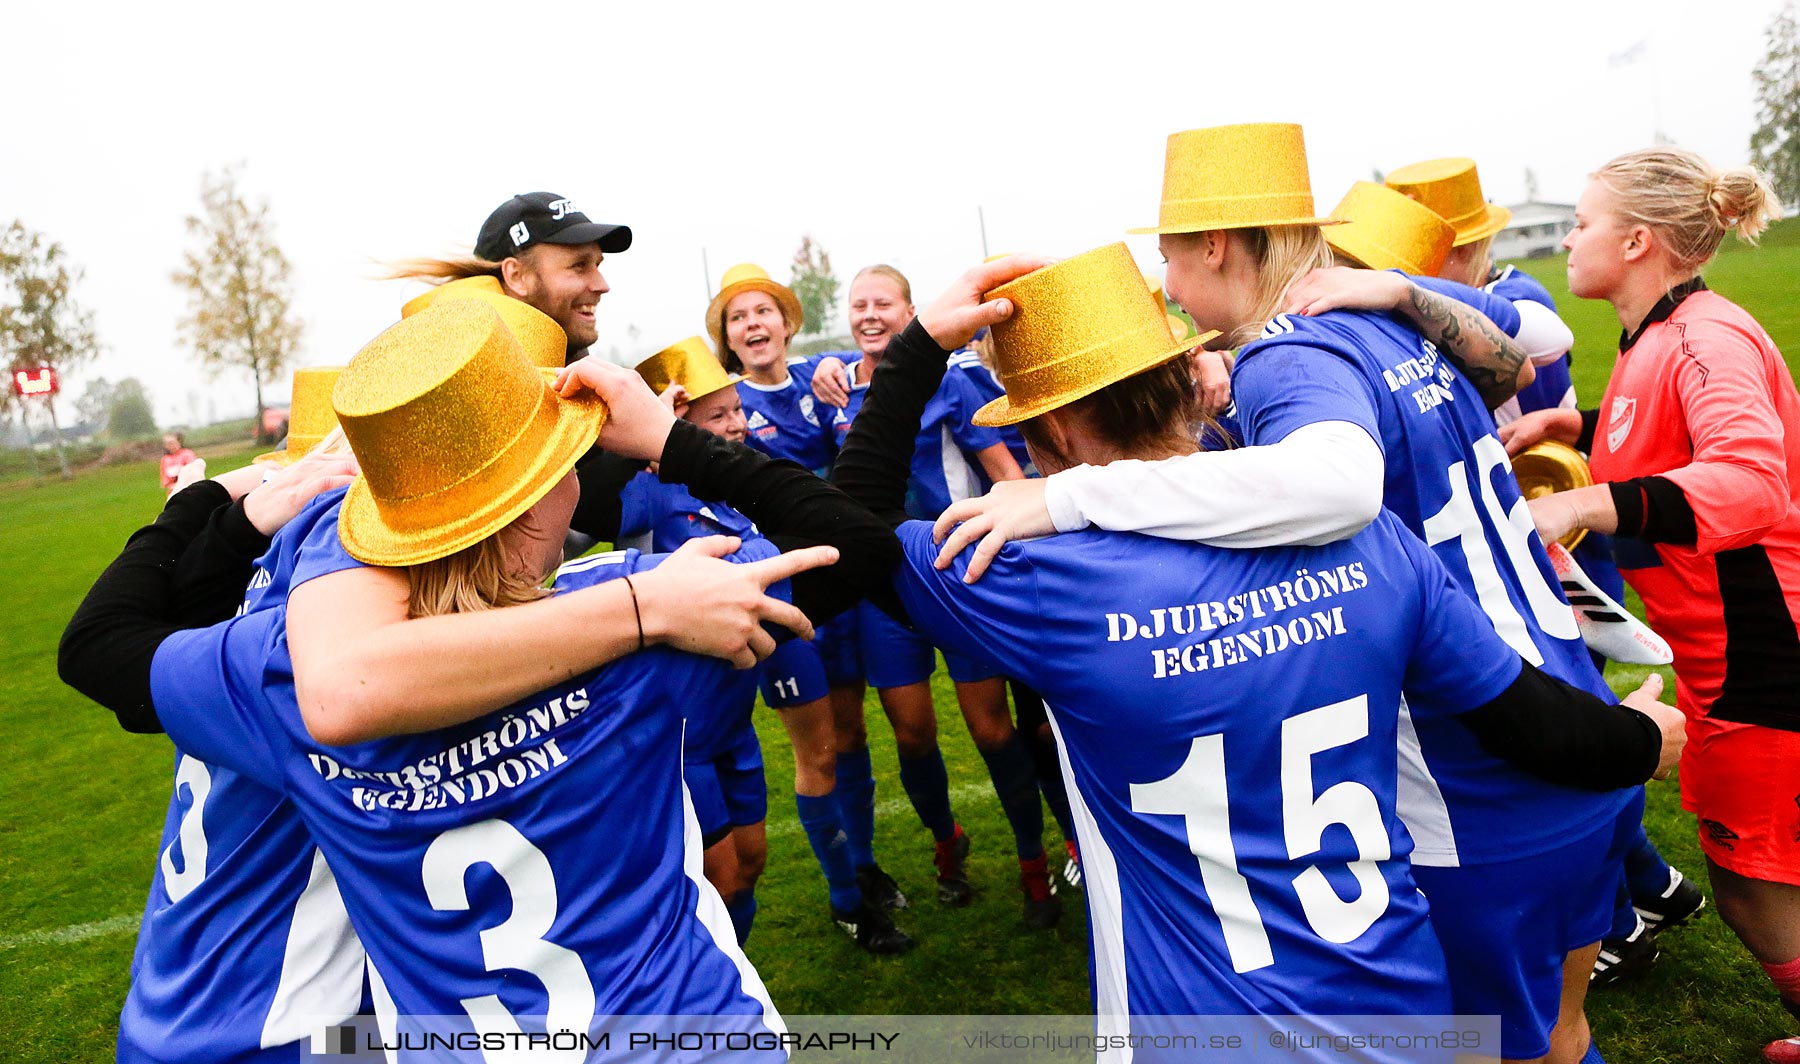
(582, 565)
(321, 966)
(959, 479)
(711, 912)
(1504, 273)
(1420, 804)
(1106, 914)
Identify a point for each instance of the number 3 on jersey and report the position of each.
(1197, 792)
(519, 941)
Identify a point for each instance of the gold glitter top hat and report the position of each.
(1385, 230)
(749, 277)
(310, 417)
(689, 363)
(1235, 177)
(1550, 467)
(544, 341)
(1077, 326)
(1452, 189)
(457, 433)
(1178, 325)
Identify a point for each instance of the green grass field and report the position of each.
(81, 807)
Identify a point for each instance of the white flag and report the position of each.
(1629, 55)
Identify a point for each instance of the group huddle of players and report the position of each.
(1274, 636)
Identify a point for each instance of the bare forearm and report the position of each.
(1493, 361)
(999, 464)
(434, 672)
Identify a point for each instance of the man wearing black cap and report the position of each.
(549, 255)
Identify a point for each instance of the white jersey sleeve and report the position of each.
(1319, 484)
(1544, 336)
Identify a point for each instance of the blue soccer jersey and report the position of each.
(245, 948)
(989, 388)
(658, 518)
(1449, 481)
(1553, 387)
(944, 463)
(538, 866)
(785, 421)
(1228, 724)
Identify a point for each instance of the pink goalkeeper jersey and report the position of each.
(1702, 398)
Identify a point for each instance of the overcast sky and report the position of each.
(383, 130)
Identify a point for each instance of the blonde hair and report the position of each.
(473, 579)
(1687, 203)
(333, 442)
(437, 271)
(882, 269)
(1283, 254)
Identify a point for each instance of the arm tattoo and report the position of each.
(1488, 357)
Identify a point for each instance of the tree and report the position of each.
(238, 290)
(95, 403)
(815, 285)
(130, 417)
(41, 323)
(1775, 146)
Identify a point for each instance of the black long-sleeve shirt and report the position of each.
(1539, 724)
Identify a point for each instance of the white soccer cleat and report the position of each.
(1606, 627)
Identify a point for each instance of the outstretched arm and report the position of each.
(791, 506)
(1493, 361)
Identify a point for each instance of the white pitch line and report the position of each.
(118, 925)
(62, 936)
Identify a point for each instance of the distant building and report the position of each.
(1535, 232)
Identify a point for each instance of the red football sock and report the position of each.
(1786, 978)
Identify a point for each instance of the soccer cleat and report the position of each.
(952, 883)
(1673, 906)
(879, 888)
(1042, 907)
(1071, 871)
(1606, 627)
(1621, 958)
(872, 930)
(1785, 1051)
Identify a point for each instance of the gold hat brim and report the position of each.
(1497, 217)
(1550, 467)
(1208, 227)
(290, 454)
(1003, 411)
(465, 519)
(784, 296)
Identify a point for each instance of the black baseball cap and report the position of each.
(544, 218)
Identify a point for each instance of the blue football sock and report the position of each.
(742, 907)
(1593, 1054)
(819, 819)
(928, 785)
(1015, 781)
(855, 793)
(1625, 918)
(1645, 868)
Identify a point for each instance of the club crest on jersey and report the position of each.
(1624, 413)
(806, 411)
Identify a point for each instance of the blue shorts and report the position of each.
(794, 675)
(727, 789)
(865, 644)
(1506, 926)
